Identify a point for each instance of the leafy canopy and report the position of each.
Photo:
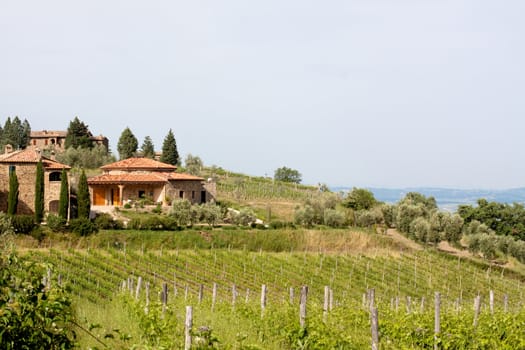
(360, 199)
(287, 175)
(15, 133)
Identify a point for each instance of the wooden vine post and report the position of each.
(326, 300)
(491, 302)
(164, 296)
(139, 286)
(234, 295)
(213, 296)
(264, 291)
(477, 307)
(302, 306)
(188, 324)
(437, 319)
(201, 292)
(374, 328)
(146, 308)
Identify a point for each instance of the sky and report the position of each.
(366, 93)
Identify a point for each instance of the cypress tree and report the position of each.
(148, 150)
(170, 154)
(12, 199)
(39, 193)
(63, 202)
(127, 144)
(84, 203)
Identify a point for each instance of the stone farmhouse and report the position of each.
(134, 178)
(56, 140)
(24, 163)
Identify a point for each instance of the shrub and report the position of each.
(334, 218)
(211, 213)
(34, 316)
(38, 234)
(56, 223)
(304, 216)
(169, 223)
(157, 209)
(245, 217)
(105, 221)
(135, 224)
(6, 226)
(82, 226)
(277, 224)
(368, 218)
(23, 223)
(487, 246)
(152, 223)
(181, 211)
(420, 229)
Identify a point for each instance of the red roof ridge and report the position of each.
(138, 163)
(29, 155)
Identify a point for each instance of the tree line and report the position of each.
(80, 151)
(489, 229)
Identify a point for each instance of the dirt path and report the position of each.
(406, 242)
(442, 246)
(447, 248)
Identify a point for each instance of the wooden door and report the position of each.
(116, 196)
(99, 196)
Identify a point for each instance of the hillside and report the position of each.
(404, 282)
(265, 196)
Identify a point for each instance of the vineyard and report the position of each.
(250, 300)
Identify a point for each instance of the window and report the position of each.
(181, 194)
(45, 142)
(34, 142)
(55, 176)
(192, 194)
(142, 194)
(12, 169)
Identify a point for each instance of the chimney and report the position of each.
(39, 154)
(8, 149)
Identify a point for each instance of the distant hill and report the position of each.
(448, 199)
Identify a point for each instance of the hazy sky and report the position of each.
(349, 92)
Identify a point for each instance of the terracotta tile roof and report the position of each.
(51, 164)
(127, 179)
(139, 164)
(182, 176)
(134, 178)
(48, 133)
(29, 155)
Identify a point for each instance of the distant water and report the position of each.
(447, 199)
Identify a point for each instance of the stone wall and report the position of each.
(188, 189)
(26, 174)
